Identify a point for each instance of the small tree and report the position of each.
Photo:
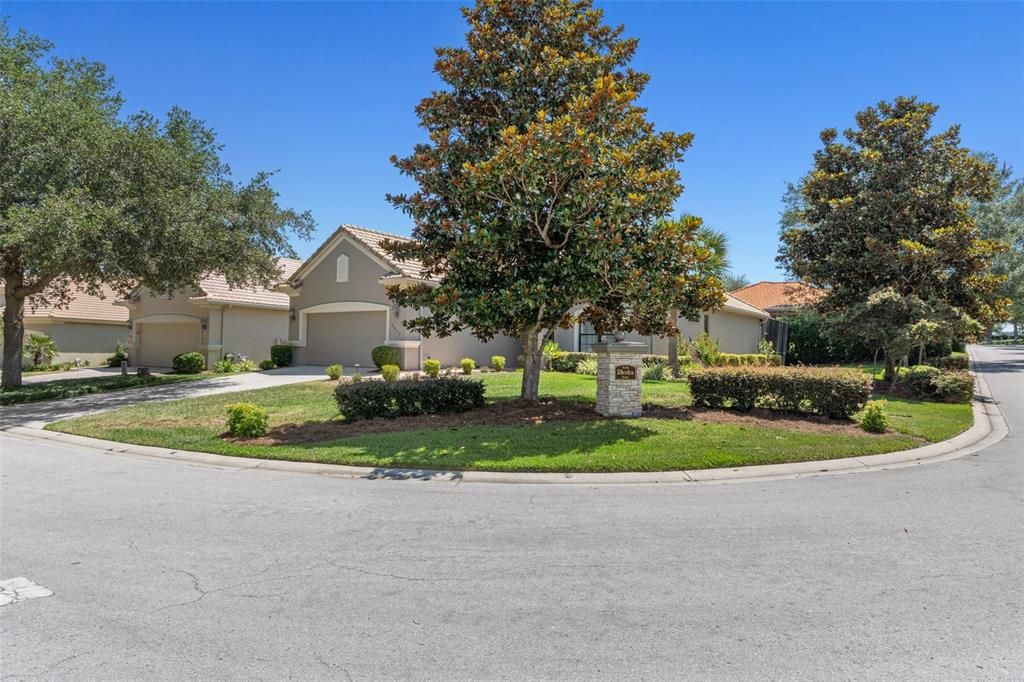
(882, 225)
(40, 349)
(543, 187)
(89, 197)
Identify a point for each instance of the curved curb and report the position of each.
(989, 428)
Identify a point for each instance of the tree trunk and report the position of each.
(14, 337)
(890, 369)
(533, 360)
(673, 344)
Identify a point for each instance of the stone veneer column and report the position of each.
(620, 376)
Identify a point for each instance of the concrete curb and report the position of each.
(989, 428)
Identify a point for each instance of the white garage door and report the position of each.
(158, 343)
(344, 338)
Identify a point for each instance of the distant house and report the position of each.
(88, 328)
(779, 298)
(215, 320)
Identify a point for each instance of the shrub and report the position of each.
(120, 353)
(389, 372)
(873, 419)
(587, 366)
(267, 364)
(333, 372)
(390, 399)
(246, 365)
(659, 371)
(281, 354)
(40, 348)
(356, 378)
(706, 350)
(550, 351)
(432, 368)
(468, 365)
(917, 380)
(498, 363)
(958, 361)
(954, 387)
(385, 355)
(225, 366)
(832, 392)
(246, 420)
(188, 363)
(566, 362)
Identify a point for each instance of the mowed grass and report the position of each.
(643, 444)
(71, 388)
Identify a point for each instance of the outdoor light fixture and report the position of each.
(291, 314)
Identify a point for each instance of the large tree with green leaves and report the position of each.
(1002, 219)
(88, 196)
(543, 186)
(883, 225)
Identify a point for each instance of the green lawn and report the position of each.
(643, 444)
(70, 388)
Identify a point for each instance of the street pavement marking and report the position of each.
(20, 589)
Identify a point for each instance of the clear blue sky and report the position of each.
(324, 92)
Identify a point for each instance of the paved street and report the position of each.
(167, 570)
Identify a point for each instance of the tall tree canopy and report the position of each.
(544, 187)
(89, 197)
(883, 225)
(1002, 219)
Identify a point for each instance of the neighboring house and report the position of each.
(737, 327)
(216, 320)
(779, 298)
(340, 309)
(88, 328)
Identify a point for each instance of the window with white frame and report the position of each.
(341, 269)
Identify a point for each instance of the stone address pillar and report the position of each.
(619, 378)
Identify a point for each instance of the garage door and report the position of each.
(160, 342)
(345, 338)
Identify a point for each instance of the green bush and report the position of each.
(566, 362)
(873, 419)
(281, 354)
(389, 372)
(498, 363)
(333, 372)
(385, 355)
(587, 365)
(550, 351)
(405, 397)
(954, 387)
(225, 367)
(246, 365)
(432, 368)
(808, 344)
(40, 349)
(659, 371)
(468, 365)
(832, 392)
(246, 420)
(120, 353)
(188, 363)
(706, 350)
(957, 361)
(917, 380)
(267, 364)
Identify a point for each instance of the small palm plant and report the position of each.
(41, 349)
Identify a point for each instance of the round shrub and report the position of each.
(333, 372)
(225, 367)
(267, 364)
(954, 387)
(281, 354)
(384, 355)
(246, 420)
(389, 372)
(498, 363)
(189, 363)
(873, 419)
(432, 368)
(468, 365)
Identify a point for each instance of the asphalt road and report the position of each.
(166, 570)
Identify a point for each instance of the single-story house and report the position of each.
(779, 298)
(87, 329)
(214, 319)
(340, 311)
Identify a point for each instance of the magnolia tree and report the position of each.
(882, 224)
(1002, 219)
(543, 187)
(89, 197)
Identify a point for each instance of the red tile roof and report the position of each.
(769, 295)
(217, 290)
(82, 307)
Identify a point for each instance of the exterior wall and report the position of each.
(86, 341)
(252, 331)
(451, 349)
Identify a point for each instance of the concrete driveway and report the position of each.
(167, 570)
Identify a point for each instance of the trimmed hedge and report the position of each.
(189, 363)
(833, 392)
(281, 354)
(958, 361)
(925, 382)
(384, 355)
(390, 399)
(741, 359)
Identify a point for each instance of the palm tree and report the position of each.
(718, 244)
(40, 348)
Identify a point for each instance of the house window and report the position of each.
(588, 337)
(341, 270)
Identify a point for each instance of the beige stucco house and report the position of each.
(215, 319)
(87, 329)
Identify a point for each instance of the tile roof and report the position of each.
(768, 295)
(83, 306)
(736, 305)
(373, 239)
(217, 290)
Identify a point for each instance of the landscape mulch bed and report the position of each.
(517, 413)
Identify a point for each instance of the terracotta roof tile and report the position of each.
(768, 295)
(373, 239)
(83, 306)
(217, 290)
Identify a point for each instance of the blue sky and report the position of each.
(324, 92)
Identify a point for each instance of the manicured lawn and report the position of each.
(70, 388)
(643, 444)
